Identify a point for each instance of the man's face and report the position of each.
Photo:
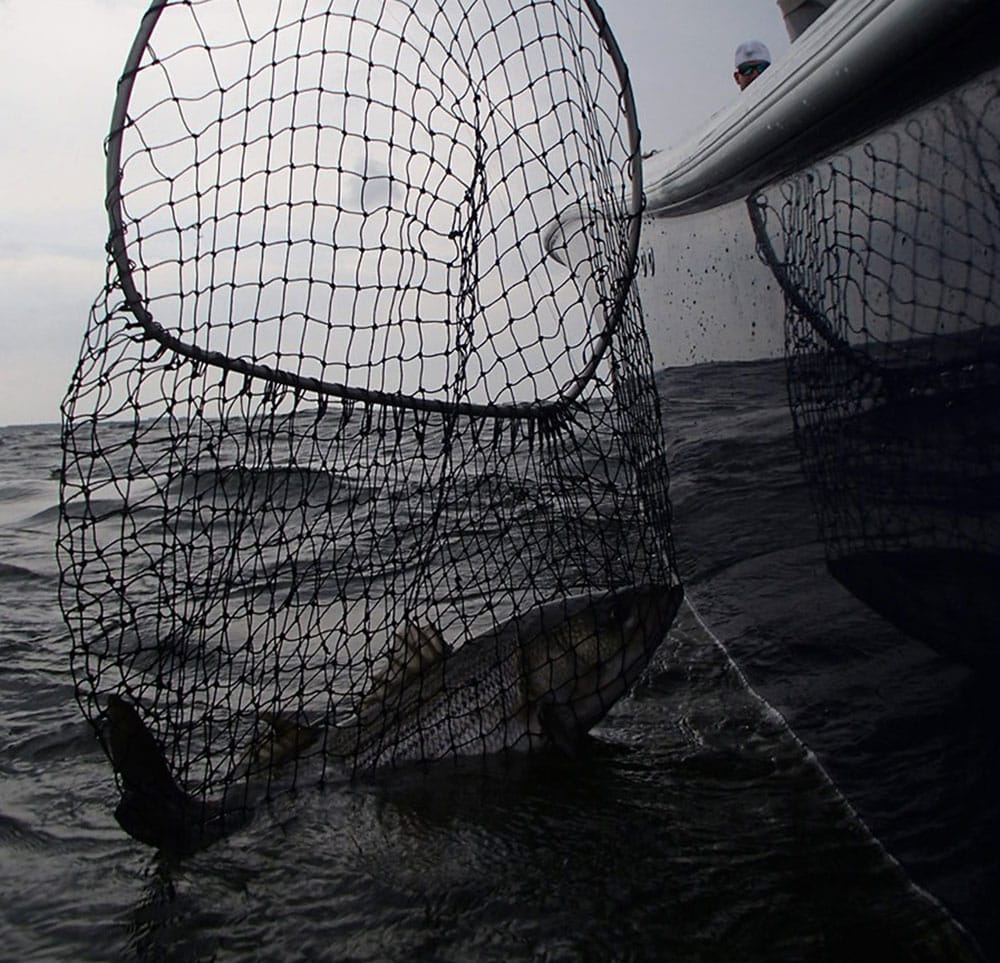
(748, 72)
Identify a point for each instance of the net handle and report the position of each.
(536, 410)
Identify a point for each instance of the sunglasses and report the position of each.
(747, 69)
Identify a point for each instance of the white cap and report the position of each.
(752, 51)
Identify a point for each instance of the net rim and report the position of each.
(567, 394)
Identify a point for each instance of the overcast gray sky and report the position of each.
(59, 63)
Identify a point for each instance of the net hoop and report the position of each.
(541, 410)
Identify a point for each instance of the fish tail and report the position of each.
(153, 808)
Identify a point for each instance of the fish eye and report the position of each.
(623, 610)
(614, 613)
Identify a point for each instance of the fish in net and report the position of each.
(357, 473)
(889, 260)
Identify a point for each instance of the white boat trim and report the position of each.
(861, 64)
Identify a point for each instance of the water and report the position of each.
(699, 827)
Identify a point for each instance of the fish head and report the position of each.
(586, 653)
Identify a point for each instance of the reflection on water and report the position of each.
(696, 829)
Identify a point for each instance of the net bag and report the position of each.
(341, 418)
(888, 255)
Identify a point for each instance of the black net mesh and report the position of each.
(888, 255)
(339, 415)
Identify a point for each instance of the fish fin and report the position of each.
(135, 754)
(287, 739)
(415, 648)
(153, 808)
(561, 729)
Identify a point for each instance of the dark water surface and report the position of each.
(912, 739)
(699, 828)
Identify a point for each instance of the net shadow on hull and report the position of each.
(887, 254)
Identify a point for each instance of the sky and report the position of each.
(59, 64)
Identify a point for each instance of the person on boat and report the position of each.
(752, 59)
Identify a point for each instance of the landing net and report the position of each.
(889, 258)
(336, 387)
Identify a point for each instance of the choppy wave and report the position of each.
(697, 828)
(16, 573)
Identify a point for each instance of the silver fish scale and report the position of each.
(471, 703)
(476, 701)
(481, 700)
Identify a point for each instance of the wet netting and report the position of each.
(888, 254)
(356, 472)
